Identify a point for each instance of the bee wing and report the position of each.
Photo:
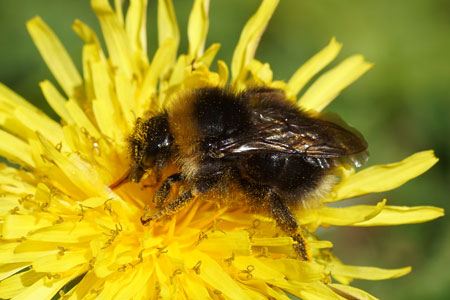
(313, 138)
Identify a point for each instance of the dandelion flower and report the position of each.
(65, 232)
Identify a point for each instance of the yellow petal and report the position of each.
(7, 270)
(85, 33)
(277, 293)
(30, 250)
(118, 7)
(279, 84)
(56, 101)
(162, 59)
(223, 72)
(209, 55)
(330, 84)
(14, 126)
(80, 172)
(255, 290)
(368, 273)
(195, 288)
(140, 283)
(201, 77)
(23, 120)
(124, 287)
(262, 74)
(105, 104)
(295, 269)
(19, 183)
(7, 204)
(14, 285)
(56, 57)
(45, 288)
(320, 244)
(135, 25)
(87, 288)
(167, 23)
(41, 123)
(341, 216)
(214, 274)
(272, 242)
(198, 28)
(248, 42)
(93, 202)
(116, 38)
(313, 291)
(58, 263)
(237, 242)
(313, 66)
(382, 178)
(259, 270)
(15, 149)
(81, 119)
(18, 226)
(179, 71)
(9, 253)
(92, 53)
(9, 98)
(125, 94)
(60, 180)
(350, 292)
(66, 233)
(396, 215)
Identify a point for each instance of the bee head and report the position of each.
(149, 144)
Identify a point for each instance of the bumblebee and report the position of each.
(257, 140)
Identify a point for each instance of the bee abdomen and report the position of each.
(290, 176)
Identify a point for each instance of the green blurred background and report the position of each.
(401, 106)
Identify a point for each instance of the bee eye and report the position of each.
(165, 142)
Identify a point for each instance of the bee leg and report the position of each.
(164, 190)
(286, 220)
(170, 207)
